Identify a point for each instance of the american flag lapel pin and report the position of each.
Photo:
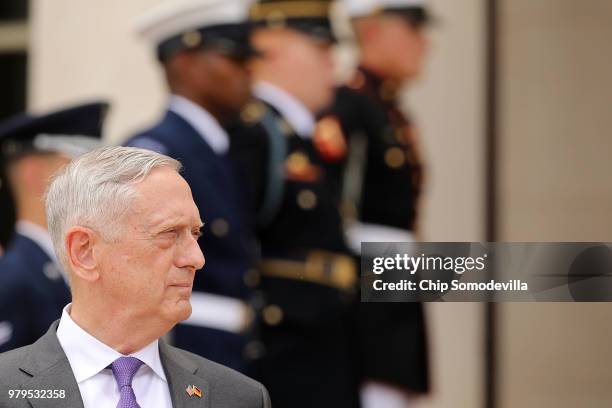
(193, 390)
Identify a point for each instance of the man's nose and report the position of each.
(191, 255)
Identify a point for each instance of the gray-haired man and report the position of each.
(125, 227)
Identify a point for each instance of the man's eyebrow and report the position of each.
(174, 222)
(163, 223)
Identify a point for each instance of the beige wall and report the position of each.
(449, 109)
(556, 144)
(556, 186)
(85, 48)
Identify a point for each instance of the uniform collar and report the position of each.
(293, 111)
(88, 356)
(202, 121)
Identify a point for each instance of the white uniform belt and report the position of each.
(219, 312)
(359, 232)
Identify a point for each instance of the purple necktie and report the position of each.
(124, 369)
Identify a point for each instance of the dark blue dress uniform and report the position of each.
(7, 212)
(218, 326)
(33, 289)
(388, 189)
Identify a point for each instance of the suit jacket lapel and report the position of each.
(180, 373)
(59, 377)
(50, 370)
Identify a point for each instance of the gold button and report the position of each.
(394, 157)
(219, 227)
(252, 113)
(297, 163)
(192, 39)
(307, 200)
(251, 278)
(272, 315)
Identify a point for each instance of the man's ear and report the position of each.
(80, 243)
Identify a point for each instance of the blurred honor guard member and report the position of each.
(383, 184)
(33, 286)
(7, 211)
(203, 46)
(125, 228)
(306, 280)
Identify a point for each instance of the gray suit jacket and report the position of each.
(44, 366)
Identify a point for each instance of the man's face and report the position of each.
(312, 65)
(223, 83)
(300, 64)
(151, 264)
(402, 47)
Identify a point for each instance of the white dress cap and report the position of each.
(172, 18)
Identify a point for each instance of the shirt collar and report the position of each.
(37, 234)
(88, 356)
(294, 111)
(202, 121)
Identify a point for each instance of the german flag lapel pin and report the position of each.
(193, 390)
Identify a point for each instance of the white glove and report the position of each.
(378, 395)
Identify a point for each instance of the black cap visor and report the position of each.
(232, 40)
(418, 17)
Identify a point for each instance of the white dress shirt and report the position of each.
(203, 122)
(298, 116)
(89, 359)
